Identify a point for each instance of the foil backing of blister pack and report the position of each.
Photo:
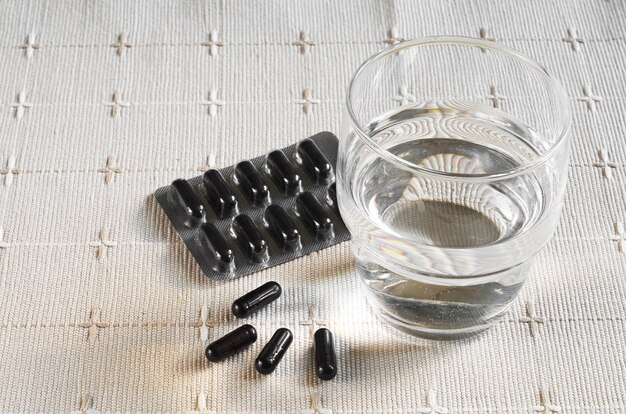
(248, 257)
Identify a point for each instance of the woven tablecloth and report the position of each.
(103, 310)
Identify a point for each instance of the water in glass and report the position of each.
(385, 207)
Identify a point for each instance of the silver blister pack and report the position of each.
(261, 212)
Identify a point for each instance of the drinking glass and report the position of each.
(451, 172)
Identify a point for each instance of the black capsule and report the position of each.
(282, 228)
(221, 198)
(273, 352)
(331, 194)
(315, 162)
(314, 216)
(231, 343)
(251, 183)
(283, 173)
(188, 201)
(221, 254)
(325, 358)
(250, 239)
(256, 299)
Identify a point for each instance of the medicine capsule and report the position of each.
(283, 173)
(250, 239)
(315, 162)
(251, 183)
(221, 254)
(282, 228)
(221, 198)
(325, 358)
(256, 299)
(231, 343)
(273, 352)
(314, 216)
(188, 202)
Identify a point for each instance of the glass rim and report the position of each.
(564, 122)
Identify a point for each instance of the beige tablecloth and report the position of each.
(102, 308)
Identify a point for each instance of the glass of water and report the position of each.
(451, 173)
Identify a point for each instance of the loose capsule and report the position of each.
(256, 299)
(250, 239)
(221, 198)
(331, 194)
(251, 183)
(325, 358)
(189, 202)
(283, 173)
(314, 216)
(315, 162)
(282, 228)
(221, 254)
(273, 351)
(231, 343)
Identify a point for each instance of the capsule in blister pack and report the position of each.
(282, 227)
(250, 239)
(259, 212)
(314, 161)
(187, 202)
(284, 173)
(251, 184)
(219, 195)
(217, 248)
(314, 216)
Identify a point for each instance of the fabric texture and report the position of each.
(103, 310)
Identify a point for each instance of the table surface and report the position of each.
(101, 307)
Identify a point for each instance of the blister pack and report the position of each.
(260, 212)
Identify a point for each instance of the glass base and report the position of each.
(447, 334)
(439, 308)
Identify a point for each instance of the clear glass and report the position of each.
(451, 173)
